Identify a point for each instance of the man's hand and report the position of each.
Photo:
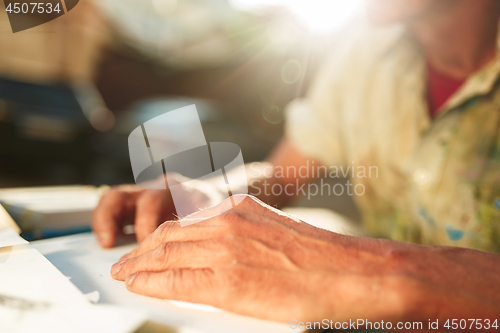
(130, 204)
(258, 261)
(146, 209)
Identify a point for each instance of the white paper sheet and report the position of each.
(23, 316)
(8, 237)
(36, 297)
(6, 222)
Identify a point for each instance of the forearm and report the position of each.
(440, 284)
(460, 284)
(279, 180)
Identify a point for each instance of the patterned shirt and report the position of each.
(438, 181)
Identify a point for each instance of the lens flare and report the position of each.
(318, 15)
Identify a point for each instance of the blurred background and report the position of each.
(72, 90)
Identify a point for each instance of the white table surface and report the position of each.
(87, 264)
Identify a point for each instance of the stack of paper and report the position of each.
(51, 211)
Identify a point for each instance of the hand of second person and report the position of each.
(146, 209)
(130, 204)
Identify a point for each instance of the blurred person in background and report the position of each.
(416, 94)
(65, 50)
(49, 106)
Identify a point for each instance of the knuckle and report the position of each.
(111, 198)
(128, 267)
(164, 231)
(142, 279)
(234, 222)
(219, 250)
(132, 254)
(113, 194)
(231, 218)
(226, 244)
(248, 200)
(211, 245)
(153, 196)
(397, 256)
(146, 198)
(162, 254)
(148, 240)
(169, 280)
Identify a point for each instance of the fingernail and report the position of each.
(116, 267)
(130, 279)
(124, 257)
(103, 237)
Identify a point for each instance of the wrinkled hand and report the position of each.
(258, 261)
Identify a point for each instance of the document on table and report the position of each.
(36, 297)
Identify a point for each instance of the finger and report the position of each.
(171, 231)
(150, 212)
(151, 242)
(169, 256)
(109, 214)
(190, 285)
(208, 223)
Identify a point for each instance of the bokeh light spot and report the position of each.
(272, 114)
(291, 71)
